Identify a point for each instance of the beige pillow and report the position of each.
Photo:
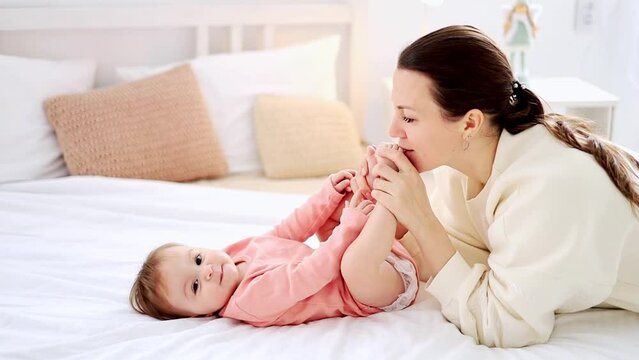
(154, 128)
(303, 137)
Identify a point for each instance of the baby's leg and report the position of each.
(370, 279)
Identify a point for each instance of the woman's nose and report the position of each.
(395, 129)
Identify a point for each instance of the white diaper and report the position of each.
(409, 275)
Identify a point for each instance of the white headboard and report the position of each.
(152, 35)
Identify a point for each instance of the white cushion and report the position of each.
(28, 146)
(231, 82)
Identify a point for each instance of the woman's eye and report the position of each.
(407, 119)
(196, 284)
(198, 259)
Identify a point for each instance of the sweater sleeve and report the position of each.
(308, 218)
(281, 287)
(554, 248)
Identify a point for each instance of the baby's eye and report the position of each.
(407, 119)
(198, 259)
(196, 284)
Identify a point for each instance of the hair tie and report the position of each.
(516, 89)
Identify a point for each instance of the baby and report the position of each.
(275, 279)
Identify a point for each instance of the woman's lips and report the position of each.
(410, 154)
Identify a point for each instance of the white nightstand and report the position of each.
(565, 95)
(573, 96)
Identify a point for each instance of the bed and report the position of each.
(70, 246)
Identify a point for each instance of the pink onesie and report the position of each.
(286, 281)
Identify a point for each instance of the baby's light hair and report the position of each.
(147, 296)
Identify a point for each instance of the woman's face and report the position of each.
(430, 140)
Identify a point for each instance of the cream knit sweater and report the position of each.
(548, 234)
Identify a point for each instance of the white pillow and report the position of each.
(231, 82)
(28, 147)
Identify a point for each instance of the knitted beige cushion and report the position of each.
(303, 137)
(154, 128)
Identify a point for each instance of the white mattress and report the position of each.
(70, 248)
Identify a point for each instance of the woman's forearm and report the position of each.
(436, 248)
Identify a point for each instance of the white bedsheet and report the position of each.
(70, 248)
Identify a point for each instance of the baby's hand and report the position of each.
(341, 180)
(360, 204)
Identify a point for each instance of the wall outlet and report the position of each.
(586, 15)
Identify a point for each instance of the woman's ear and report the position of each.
(472, 122)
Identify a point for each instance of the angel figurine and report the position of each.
(520, 28)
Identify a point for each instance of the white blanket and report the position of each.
(71, 247)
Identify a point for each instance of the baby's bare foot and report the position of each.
(383, 160)
(391, 146)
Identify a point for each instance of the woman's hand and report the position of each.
(364, 178)
(401, 191)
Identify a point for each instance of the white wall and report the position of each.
(612, 62)
(392, 25)
(608, 56)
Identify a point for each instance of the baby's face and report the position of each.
(198, 281)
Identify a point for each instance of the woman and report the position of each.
(527, 214)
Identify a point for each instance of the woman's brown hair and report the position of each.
(146, 295)
(469, 71)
